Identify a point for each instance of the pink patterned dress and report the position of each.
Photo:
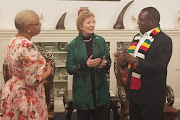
(23, 97)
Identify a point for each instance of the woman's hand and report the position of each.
(47, 73)
(49, 69)
(93, 62)
(103, 63)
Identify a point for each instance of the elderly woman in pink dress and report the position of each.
(23, 95)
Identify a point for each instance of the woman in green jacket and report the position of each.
(89, 61)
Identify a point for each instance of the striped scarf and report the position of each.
(135, 80)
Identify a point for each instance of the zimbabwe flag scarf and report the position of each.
(135, 76)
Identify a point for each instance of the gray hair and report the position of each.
(23, 18)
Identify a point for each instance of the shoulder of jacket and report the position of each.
(73, 41)
(99, 38)
(164, 36)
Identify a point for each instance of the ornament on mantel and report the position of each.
(178, 20)
(60, 24)
(41, 17)
(82, 9)
(119, 22)
(134, 19)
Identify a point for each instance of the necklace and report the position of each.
(88, 40)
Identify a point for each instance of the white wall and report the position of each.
(106, 12)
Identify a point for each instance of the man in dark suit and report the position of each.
(148, 57)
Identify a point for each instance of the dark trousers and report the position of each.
(99, 113)
(146, 111)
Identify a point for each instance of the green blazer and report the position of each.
(82, 88)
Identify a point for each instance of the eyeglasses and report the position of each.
(39, 23)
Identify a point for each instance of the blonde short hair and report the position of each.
(23, 18)
(83, 15)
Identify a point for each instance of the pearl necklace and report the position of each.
(88, 40)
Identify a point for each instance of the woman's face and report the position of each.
(88, 26)
(35, 26)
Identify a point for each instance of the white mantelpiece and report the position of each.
(111, 36)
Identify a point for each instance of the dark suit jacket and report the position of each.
(154, 72)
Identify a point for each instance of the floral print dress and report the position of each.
(23, 96)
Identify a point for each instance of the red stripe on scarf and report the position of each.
(134, 66)
(135, 83)
(154, 32)
(134, 44)
(143, 48)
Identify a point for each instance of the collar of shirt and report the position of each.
(143, 37)
(146, 33)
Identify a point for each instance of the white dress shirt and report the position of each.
(143, 37)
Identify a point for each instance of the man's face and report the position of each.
(144, 23)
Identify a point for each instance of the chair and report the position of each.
(48, 84)
(170, 113)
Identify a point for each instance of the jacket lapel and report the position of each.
(80, 50)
